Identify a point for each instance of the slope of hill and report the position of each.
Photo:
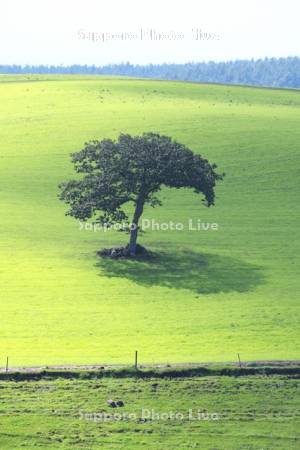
(208, 294)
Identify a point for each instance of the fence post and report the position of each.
(6, 370)
(240, 364)
(136, 360)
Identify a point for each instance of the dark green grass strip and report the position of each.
(150, 373)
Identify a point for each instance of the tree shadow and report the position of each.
(201, 273)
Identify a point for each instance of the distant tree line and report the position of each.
(272, 72)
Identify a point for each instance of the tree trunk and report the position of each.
(135, 223)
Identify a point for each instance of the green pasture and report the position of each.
(219, 413)
(207, 295)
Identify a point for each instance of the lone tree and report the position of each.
(133, 169)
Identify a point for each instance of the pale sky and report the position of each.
(60, 31)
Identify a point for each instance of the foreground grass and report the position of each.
(207, 295)
(254, 412)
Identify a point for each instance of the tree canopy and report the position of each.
(273, 72)
(133, 169)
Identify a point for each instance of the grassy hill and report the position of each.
(208, 294)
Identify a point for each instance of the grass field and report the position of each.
(209, 294)
(219, 413)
